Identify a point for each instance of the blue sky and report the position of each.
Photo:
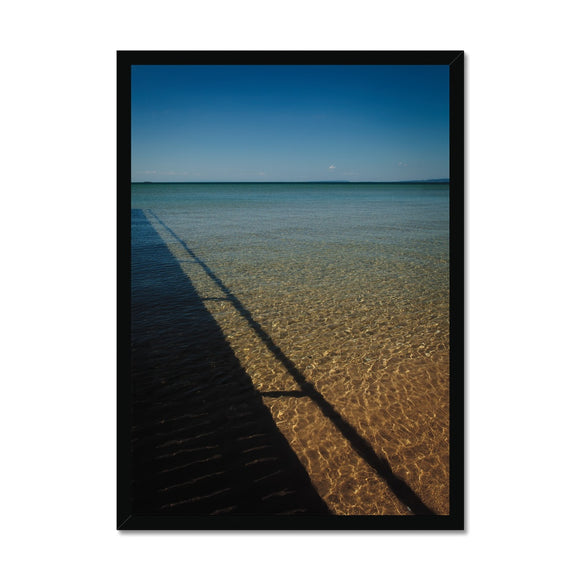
(289, 123)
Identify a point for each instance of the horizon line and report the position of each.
(439, 180)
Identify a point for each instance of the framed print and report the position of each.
(290, 290)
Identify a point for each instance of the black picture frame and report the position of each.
(126, 519)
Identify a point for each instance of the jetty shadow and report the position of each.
(202, 440)
(380, 464)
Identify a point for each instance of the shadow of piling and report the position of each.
(202, 441)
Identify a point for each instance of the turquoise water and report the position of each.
(350, 282)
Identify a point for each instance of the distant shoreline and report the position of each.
(414, 182)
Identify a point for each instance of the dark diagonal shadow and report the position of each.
(202, 440)
(358, 443)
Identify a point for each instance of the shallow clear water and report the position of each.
(331, 296)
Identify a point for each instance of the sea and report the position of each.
(293, 337)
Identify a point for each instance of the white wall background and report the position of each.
(59, 296)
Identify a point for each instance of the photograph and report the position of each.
(290, 290)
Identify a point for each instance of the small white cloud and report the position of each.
(402, 164)
(332, 166)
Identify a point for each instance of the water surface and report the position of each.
(334, 298)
